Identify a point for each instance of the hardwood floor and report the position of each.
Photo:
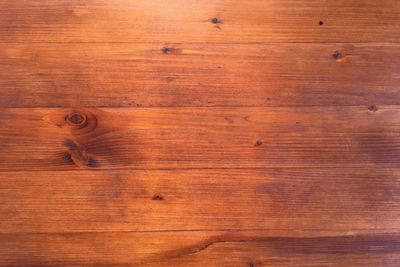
(200, 133)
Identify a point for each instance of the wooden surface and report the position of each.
(200, 133)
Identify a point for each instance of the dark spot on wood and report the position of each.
(158, 197)
(373, 108)
(258, 143)
(81, 122)
(252, 264)
(76, 119)
(268, 99)
(67, 157)
(171, 50)
(92, 163)
(166, 50)
(215, 21)
(321, 23)
(70, 144)
(78, 154)
(337, 55)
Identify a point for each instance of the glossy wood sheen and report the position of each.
(204, 248)
(288, 198)
(137, 74)
(181, 138)
(200, 133)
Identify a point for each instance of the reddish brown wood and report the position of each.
(348, 199)
(213, 248)
(181, 138)
(197, 74)
(199, 133)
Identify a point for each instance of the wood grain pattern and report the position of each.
(118, 53)
(198, 74)
(178, 138)
(214, 248)
(307, 199)
(182, 21)
(199, 133)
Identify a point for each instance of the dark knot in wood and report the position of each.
(373, 108)
(337, 55)
(78, 154)
(76, 119)
(215, 21)
(81, 122)
(258, 143)
(158, 197)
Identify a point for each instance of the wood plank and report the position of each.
(239, 248)
(200, 133)
(165, 138)
(197, 74)
(183, 20)
(293, 199)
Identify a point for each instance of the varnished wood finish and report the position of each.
(204, 248)
(126, 200)
(137, 74)
(181, 138)
(200, 133)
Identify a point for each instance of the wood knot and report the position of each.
(166, 50)
(78, 154)
(373, 108)
(337, 55)
(258, 143)
(215, 21)
(81, 121)
(171, 50)
(76, 119)
(158, 197)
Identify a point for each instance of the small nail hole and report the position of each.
(157, 197)
(337, 55)
(258, 143)
(321, 23)
(215, 21)
(166, 50)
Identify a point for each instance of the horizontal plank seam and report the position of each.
(200, 168)
(202, 107)
(208, 42)
(206, 230)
